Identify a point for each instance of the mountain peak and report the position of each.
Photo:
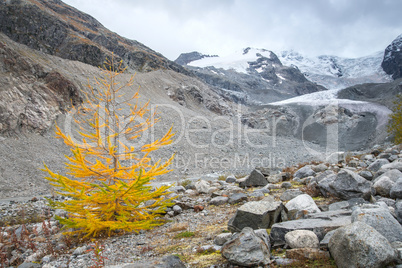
(186, 58)
(392, 63)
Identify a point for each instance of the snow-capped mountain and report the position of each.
(250, 76)
(238, 61)
(335, 72)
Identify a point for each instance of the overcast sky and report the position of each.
(348, 28)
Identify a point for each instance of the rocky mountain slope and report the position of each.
(335, 72)
(392, 63)
(37, 87)
(58, 29)
(252, 76)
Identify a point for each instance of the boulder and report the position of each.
(177, 189)
(324, 185)
(304, 172)
(246, 249)
(171, 261)
(348, 204)
(396, 190)
(221, 239)
(257, 215)
(276, 178)
(219, 200)
(381, 220)
(302, 202)
(262, 233)
(231, 179)
(254, 179)
(237, 198)
(290, 194)
(348, 184)
(377, 164)
(383, 186)
(398, 211)
(320, 223)
(319, 168)
(302, 239)
(202, 187)
(393, 174)
(394, 165)
(366, 174)
(286, 185)
(359, 245)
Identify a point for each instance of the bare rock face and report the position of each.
(61, 30)
(31, 96)
(392, 62)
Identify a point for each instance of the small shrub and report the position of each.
(185, 182)
(184, 235)
(395, 122)
(206, 251)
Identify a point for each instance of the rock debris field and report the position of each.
(345, 214)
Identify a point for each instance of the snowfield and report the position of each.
(238, 61)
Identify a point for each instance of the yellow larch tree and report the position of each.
(108, 183)
(395, 122)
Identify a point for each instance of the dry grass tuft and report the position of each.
(178, 226)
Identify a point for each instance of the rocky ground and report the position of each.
(300, 208)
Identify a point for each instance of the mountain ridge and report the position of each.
(331, 72)
(61, 30)
(251, 76)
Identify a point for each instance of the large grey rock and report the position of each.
(29, 265)
(302, 239)
(231, 179)
(254, 179)
(303, 202)
(324, 185)
(276, 178)
(219, 200)
(383, 186)
(348, 184)
(396, 190)
(202, 186)
(257, 215)
(320, 223)
(171, 261)
(237, 198)
(263, 234)
(360, 245)
(398, 211)
(377, 164)
(348, 204)
(304, 172)
(366, 174)
(246, 249)
(393, 174)
(221, 239)
(290, 194)
(323, 175)
(380, 219)
(394, 165)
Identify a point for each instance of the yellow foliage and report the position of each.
(109, 183)
(395, 123)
